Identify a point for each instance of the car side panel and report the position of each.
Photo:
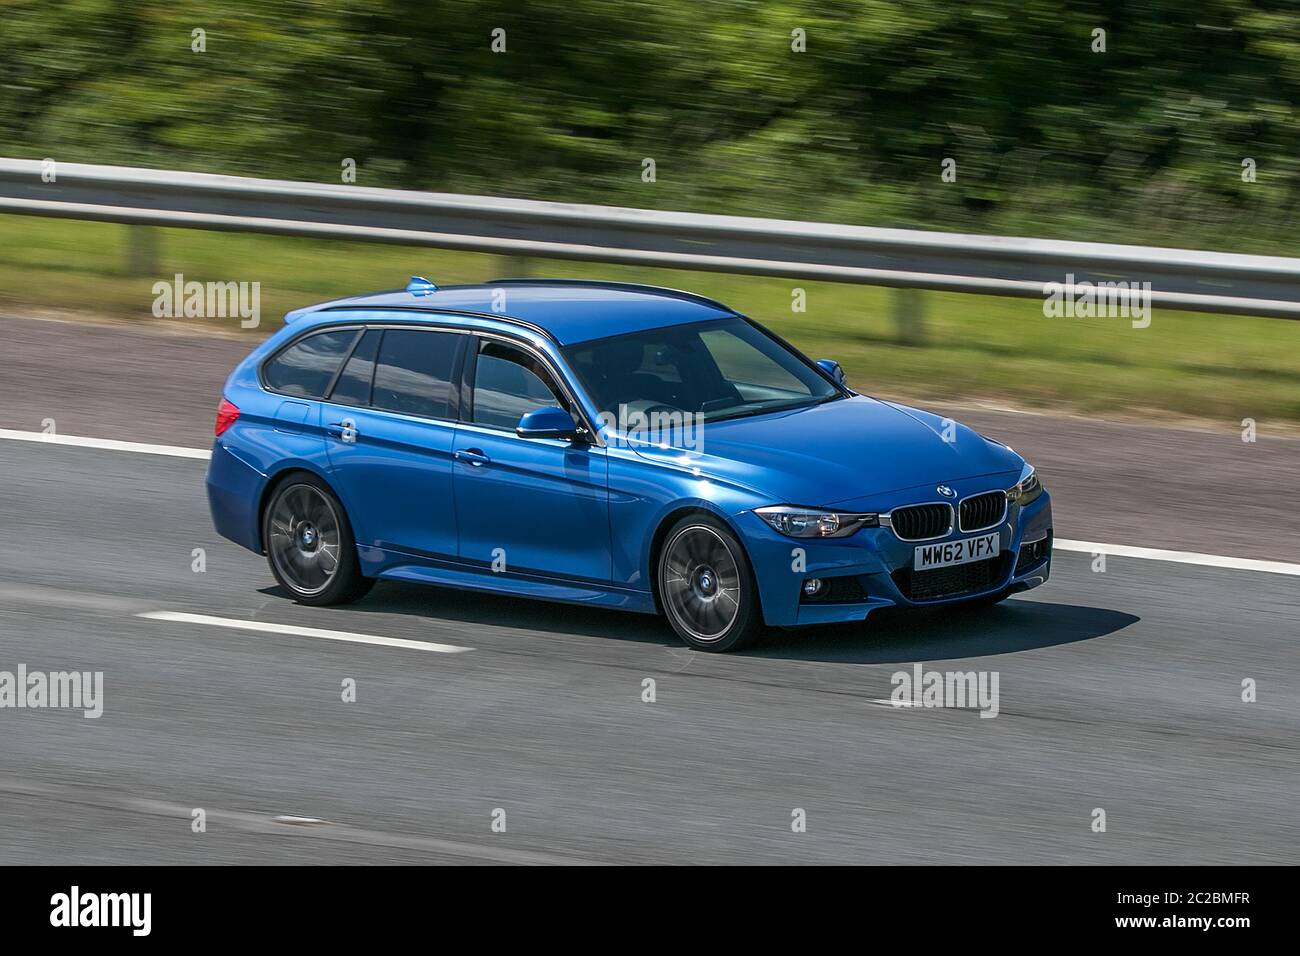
(272, 435)
(643, 495)
(534, 505)
(395, 479)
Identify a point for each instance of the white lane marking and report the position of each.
(1178, 557)
(267, 627)
(1062, 544)
(60, 598)
(262, 824)
(107, 444)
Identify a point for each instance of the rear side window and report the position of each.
(353, 386)
(413, 374)
(307, 367)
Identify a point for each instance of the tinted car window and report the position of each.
(507, 383)
(719, 369)
(353, 386)
(414, 372)
(307, 367)
(747, 367)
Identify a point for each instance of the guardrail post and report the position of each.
(141, 250)
(909, 316)
(514, 267)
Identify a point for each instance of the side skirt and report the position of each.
(401, 567)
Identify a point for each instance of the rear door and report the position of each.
(390, 426)
(537, 506)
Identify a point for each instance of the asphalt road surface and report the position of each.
(1119, 690)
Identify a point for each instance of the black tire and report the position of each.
(706, 585)
(309, 543)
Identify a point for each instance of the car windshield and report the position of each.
(720, 369)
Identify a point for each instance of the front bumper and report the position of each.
(871, 569)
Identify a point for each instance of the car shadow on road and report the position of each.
(456, 606)
(888, 637)
(897, 636)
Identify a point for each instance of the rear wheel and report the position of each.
(309, 543)
(706, 585)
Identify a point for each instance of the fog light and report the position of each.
(812, 586)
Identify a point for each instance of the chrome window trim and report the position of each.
(887, 518)
(343, 327)
(308, 333)
(1006, 505)
(417, 326)
(592, 436)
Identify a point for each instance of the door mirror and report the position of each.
(548, 422)
(833, 369)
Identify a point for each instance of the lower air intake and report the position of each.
(950, 582)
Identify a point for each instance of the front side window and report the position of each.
(726, 368)
(508, 382)
(413, 372)
(306, 368)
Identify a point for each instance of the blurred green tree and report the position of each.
(1048, 136)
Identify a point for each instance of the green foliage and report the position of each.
(1143, 142)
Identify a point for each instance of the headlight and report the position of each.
(814, 522)
(1027, 488)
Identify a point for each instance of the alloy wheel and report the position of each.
(303, 538)
(701, 583)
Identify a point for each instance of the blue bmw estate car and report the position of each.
(607, 444)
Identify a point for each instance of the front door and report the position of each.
(534, 506)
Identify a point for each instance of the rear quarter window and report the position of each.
(306, 368)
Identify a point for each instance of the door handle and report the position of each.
(474, 456)
(345, 430)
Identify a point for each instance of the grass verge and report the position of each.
(1217, 368)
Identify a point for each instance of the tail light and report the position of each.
(226, 415)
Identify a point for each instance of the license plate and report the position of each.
(942, 554)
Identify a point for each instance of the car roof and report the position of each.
(568, 310)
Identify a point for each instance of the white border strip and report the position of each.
(1178, 557)
(107, 444)
(267, 627)
(1060, 544)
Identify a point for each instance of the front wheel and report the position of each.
(309, 543)
(706, 585)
